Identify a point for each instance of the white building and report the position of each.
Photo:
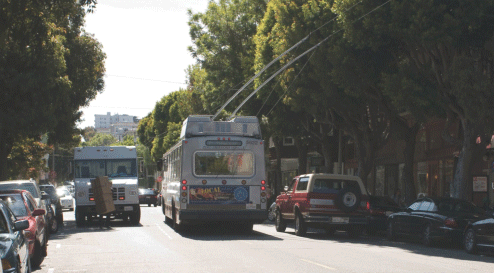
(116, 125)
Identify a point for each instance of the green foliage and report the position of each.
(100, 139)
(128, 140)
(25, 161)
(49, 68)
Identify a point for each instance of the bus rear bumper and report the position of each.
(254, 216)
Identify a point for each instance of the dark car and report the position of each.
(433, 219)
(479, 235)
(14, 248)
(380, 207)
(55, 217)
(22, 204)
(148, 196)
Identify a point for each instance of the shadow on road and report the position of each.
(222, 231)
(412, 245)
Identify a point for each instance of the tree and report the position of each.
(25, 160)
(88, 133)
(49, 68)
(449, 44)
(101, 139)
(224, 48)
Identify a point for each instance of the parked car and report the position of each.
(54, 211)
(479, 235)
(23, 206)
(329, 201)
(435, 218)
(13, 244)
(148, 196)
(66, 199)
(380, 207)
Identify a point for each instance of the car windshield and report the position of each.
(63, 192)
(50, 190)
(3, 224)
(16, 204)
(21, 186)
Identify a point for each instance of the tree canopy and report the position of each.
(49, 68)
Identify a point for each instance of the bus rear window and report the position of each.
(232, 163)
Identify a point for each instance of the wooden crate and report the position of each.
(103, 196)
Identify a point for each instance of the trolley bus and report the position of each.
(216, 172)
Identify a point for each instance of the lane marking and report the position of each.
(51, 270)
(321, 265)
(162, 230)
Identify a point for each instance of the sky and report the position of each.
(145, 42)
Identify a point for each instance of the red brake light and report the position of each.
(263, 188)
(368, 205)
(184, 182)
(121, 198)
(263, 182)
(91, 198)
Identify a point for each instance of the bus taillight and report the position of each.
(263, 182)
(263, 188)
(184, 188)
(184, 182)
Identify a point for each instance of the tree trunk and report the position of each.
(302, 155)
(461, 184)
(409, 191)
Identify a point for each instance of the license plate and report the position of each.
(339, 220)
(147, 197)
(128, 208)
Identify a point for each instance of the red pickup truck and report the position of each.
(329, 201)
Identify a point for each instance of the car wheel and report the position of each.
(28, 266)
(271, 215)
(280, 223)
(469, 241)
(426, 236)
(37, 257)
(390, 232)
(54, 225)
(300, 225)
(348, 199)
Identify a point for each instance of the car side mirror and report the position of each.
(38, 212)
(285, 188)
(21, 225)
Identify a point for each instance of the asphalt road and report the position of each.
(154, 247)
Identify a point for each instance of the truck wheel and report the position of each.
(135, 218)
(79, 218)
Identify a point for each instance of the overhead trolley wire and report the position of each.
(295, 59)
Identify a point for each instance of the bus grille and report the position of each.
(116, 193)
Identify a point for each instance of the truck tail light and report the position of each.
(91, 198)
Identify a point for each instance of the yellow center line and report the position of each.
(321, 265)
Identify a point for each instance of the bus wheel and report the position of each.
(176, 226)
